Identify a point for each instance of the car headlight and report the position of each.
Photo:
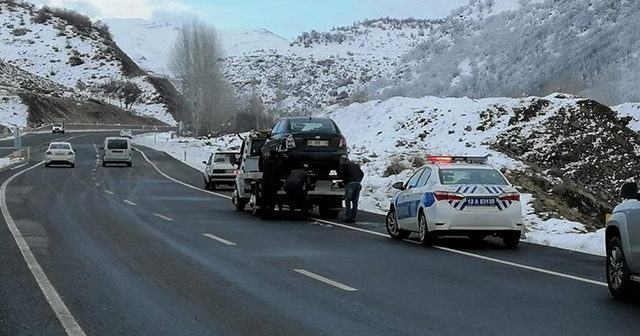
(70, 153)
(48, 153)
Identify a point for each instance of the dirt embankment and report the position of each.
(45, 109)
(579, 156)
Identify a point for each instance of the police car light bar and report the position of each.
(452, 159)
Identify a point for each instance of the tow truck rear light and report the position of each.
(448, 196)
(510, 196)
(290, 142)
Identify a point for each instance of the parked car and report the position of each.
(622, 239)
(315, 141)
(57, 128)
(220, 169)
(456, 196)
(60, 153)
(117, 150)
(126, 134)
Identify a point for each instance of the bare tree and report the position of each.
(196, 61)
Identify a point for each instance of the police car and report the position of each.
(456, 196)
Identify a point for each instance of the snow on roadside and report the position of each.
(191, 151)
(7, 161)
(12, 111)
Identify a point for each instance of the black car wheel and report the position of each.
(393, 229)
(618, 273)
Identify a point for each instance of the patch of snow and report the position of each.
(630, 110)
(12, 111)
(6, 161)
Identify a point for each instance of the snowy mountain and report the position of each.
(148, 43)
(57, 52)
(582, 47)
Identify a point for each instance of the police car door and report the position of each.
(408, 201)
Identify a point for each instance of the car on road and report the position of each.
(315, 141)
(456, 196)
(60, 153)
(57, 128)
(220, 169)
(117, 150)
(622, 243)
(126, 134)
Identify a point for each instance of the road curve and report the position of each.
(131, 252)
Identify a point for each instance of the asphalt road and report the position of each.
(131, 252)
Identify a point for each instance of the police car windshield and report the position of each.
(471, 176)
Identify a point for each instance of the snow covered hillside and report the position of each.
(582, 47)
(314, 70)
(149, 42)
(73, 53)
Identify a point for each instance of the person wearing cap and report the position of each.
(296, 186)
(351, 176)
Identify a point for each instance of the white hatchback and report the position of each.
(456, 196)
(60, 153)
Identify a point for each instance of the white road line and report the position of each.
(222, 240)
(109, 192)
(128, 202)
(93, 179)
(20, 166)
(325, 280)
(163, 217)
(178, 181)
(473, 255)
(477, 256)
(65, 317)
(97, 184)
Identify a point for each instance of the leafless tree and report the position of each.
(196, 60)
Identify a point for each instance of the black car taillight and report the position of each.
(343, 141)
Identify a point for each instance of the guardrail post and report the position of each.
(185, 156)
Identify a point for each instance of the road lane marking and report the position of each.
(326, 280)
(178, 181)
(468, 254)
(68, 321)
(163, 217)
(97, 184)
(477, 256)
(109, 192)
(222, 240)
(128, 202)
(20, 166)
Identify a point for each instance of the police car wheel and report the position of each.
(511, 240)
(392, 227)
(426, 239)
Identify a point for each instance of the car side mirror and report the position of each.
(205, 162)
(398, 185)
(629, 190)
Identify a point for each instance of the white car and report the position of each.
(57, 128)
(126, 133)
(117, 150)
(456, 196)
(60, 153)
(219, 169)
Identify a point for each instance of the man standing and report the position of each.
(272, 169)
(351, 176)
(296, 188)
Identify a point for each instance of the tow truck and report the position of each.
(324, 193)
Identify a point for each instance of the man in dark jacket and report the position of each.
(351, 176)
(273, 169)
(296, 187)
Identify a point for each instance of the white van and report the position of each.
(116, 150)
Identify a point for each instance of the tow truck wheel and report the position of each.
(393, 229)
(238, 203)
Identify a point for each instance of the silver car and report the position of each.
(622, 239)
(220, 170)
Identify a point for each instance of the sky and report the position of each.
(287, 18)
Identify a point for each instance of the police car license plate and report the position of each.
(318, 143)
(478, 201)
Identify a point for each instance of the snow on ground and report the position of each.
(6, 161)
(630, 110)
(12, 111)
(191, 151)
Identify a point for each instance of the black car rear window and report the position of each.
(117, 144)
(313, 125)
(471, 176)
